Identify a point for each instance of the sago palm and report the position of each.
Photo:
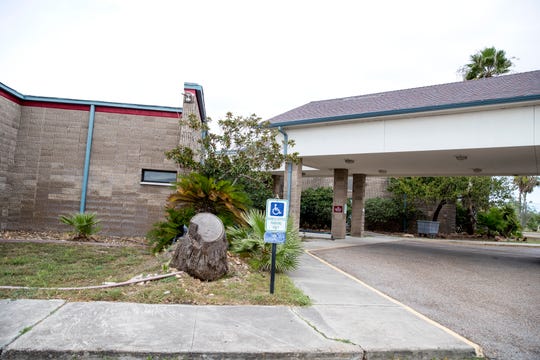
(83, 224)
(205, 194)
(248, 241)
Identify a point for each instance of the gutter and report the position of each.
(24, 98)
(407, 111)
(289, 165)
(86, 170)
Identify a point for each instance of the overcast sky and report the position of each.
(263, 57)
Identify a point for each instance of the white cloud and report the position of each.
(262, 57)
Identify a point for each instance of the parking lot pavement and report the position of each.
(484, 291)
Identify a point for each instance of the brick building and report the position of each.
(62, 156)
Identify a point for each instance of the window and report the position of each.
(158, 177)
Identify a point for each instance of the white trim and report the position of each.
(156, 183)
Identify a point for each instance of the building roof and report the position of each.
(30, 100)
(496, 90)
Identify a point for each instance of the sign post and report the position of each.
(275, 230)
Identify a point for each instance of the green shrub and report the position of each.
(463, 221)
(248, 241)
(388, 214)
(83, 224)
(382, 214)
(501, 221)
(164, 233)
(533, 222)
(316, 208)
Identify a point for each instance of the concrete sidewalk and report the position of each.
(347, 321)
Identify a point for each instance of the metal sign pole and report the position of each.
(273, 269)
(275, 227)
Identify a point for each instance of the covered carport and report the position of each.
(481, 127)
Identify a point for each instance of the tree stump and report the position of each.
(202, 253)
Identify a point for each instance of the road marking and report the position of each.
(476, 347)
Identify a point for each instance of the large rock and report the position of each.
(202, 253)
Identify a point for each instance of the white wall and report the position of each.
(511, 127)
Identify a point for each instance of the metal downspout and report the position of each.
(289, 164)
(87, 157)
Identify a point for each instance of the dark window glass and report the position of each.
(158, 176)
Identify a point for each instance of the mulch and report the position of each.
(65, 238)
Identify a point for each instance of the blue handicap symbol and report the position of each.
(277, 209)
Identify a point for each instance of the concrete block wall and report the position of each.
(123, 145)
(316, 182)
(10, 117)
(47, 171)
(447, 217)
(375, 186)
(42, 163)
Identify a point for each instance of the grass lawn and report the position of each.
(75, 265)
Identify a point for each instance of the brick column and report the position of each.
(277, 186)
(295, 189)
(339, 213)
(358, 194)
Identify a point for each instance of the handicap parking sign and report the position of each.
(276, 208)
(274, 237)
(276, 215)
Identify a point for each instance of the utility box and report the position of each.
(429, 228)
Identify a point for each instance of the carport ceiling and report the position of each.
(510, 161)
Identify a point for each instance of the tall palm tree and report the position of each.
(487, 63)
(525, 185)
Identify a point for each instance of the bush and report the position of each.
(388, 214)
(501, 221)
(316, 208)
(248, 241)
(164, 233)
(463, 221)
(533, 222)
(382, 214)
(84, 224)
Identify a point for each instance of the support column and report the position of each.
(358, 194)
(339, 206)
(277, 186)
(292, 190)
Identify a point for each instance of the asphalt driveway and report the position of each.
(489, 294)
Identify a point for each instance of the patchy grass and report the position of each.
(76, 265)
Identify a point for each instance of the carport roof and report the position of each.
(489, 91)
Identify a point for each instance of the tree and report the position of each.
(486, 63)
(525, 185)
(480, 194)
(476, 193)
(243, 152)
(428, 190)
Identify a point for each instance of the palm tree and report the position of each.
(486, 63)
(205, 194)
(525, 185)
(249, 241)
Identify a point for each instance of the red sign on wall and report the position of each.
(338, 209)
